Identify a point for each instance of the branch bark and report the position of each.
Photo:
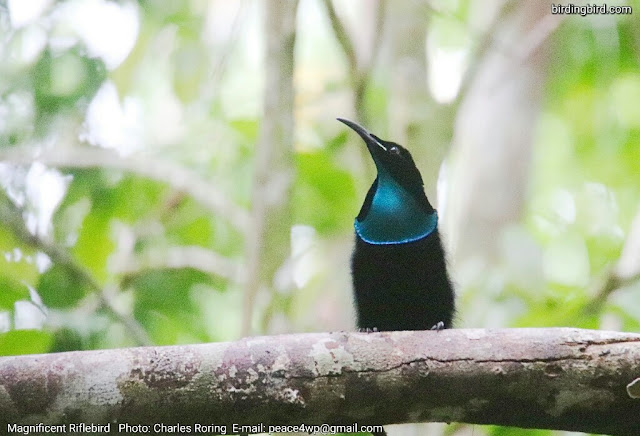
(568, 379)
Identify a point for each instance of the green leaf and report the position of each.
(16, 342)
(172, 330)
(197, 231)
(62, 80)
(247, 127)
(83, 184)
(133, 197)
(16, 259)
(165, 306)
(166, 290)
(324, 195)
(94, 244)
(11, 291)
(516, 431)
(58, 288)
(67, 339)
(337, 142)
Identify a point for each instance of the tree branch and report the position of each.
(343, 39)
(359, 74)
(191, 256)
(625, 272)
(377, 37)
(568, 379)
(173, 175)
(11, 216)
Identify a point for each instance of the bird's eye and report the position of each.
(394, 150)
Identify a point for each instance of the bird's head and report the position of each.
(392, 160)
(396, 209)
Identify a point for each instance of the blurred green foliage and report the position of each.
(61, 80)
(29, 341)
(586, 182)
(326, 186)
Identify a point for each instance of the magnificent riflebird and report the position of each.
(399, 269)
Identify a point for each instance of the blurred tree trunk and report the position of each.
(494, 129)
(360, 48)
(415, 118)
(268, 239)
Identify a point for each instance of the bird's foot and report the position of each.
(438, 326)
(368, 329)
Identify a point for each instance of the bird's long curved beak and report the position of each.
(368, 138)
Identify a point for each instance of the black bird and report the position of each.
(398, 265)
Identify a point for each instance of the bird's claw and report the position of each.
(438, 326)
(368, 330)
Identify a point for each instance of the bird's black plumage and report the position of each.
(398, 265)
